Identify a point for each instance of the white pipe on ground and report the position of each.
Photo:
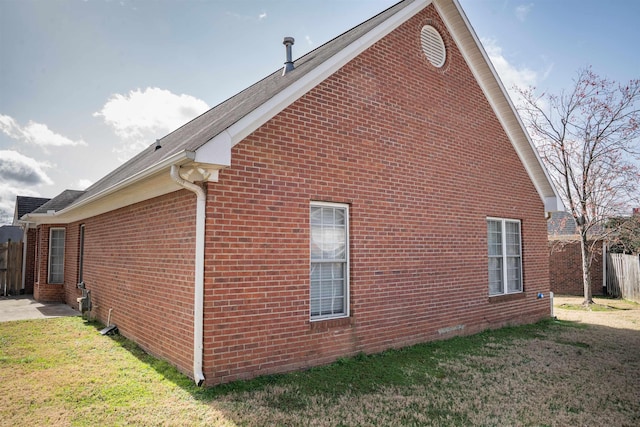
(198, 304)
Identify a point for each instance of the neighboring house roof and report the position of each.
(25, 205)
(206, 141)
(561, 224)
(10, 232)
(59, 202)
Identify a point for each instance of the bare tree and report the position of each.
(589, 139)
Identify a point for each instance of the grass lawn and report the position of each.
(556, 373)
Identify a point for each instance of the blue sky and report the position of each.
(85, 84)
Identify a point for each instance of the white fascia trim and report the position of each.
(252, 121)
(54, 218)
(551, 199)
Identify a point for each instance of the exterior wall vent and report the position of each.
(433, 46)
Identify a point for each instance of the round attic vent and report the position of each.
(433, 46)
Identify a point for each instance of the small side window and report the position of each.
(56, 255)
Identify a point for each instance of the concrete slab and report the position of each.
(25, 307)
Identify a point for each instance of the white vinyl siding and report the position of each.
(505, 256)
(329, 272)
(56, 255)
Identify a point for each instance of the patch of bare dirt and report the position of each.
(614, 313)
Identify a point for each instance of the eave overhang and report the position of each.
(478, 61)
(151, 182)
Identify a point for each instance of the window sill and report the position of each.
(507, 297)
(326, 324)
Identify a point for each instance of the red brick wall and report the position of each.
(48, 292)
(71, 250)
(43, 290)
(421, 159)
(30, 265)
(565, 268)
(139, 261)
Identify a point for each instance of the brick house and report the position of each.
(379, 193)
(565, 258)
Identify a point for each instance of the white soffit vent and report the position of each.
(433, 46)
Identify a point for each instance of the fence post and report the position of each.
(605, 248)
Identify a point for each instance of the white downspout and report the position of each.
(25, 231)
(198, 304)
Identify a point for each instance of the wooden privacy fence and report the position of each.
(623, 276)
(10, 268)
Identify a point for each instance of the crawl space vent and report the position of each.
(433, 46)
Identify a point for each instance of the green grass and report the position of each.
(63, 372)
(404, 367)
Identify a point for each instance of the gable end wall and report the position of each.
(421, 160)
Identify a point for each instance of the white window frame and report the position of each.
(50, 278)
(505, 256)
(344, 261)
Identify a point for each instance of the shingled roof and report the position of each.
(561, 224)
(206, 141)
(198, 131)
(61, 201)
(25, 205)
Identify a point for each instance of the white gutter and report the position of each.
(177, 158)
(198, 303)
(157, 167)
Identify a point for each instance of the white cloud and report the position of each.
(140, 117)
(309, 41)
(510, 75)
(523, 10)
(22, 170)
(19, 175)
(83, 184)
(35, 133)
(262, 16)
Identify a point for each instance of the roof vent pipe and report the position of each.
(288, 65)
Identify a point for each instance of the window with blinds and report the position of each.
(56, 255)
(329, 293)
(505, 256)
